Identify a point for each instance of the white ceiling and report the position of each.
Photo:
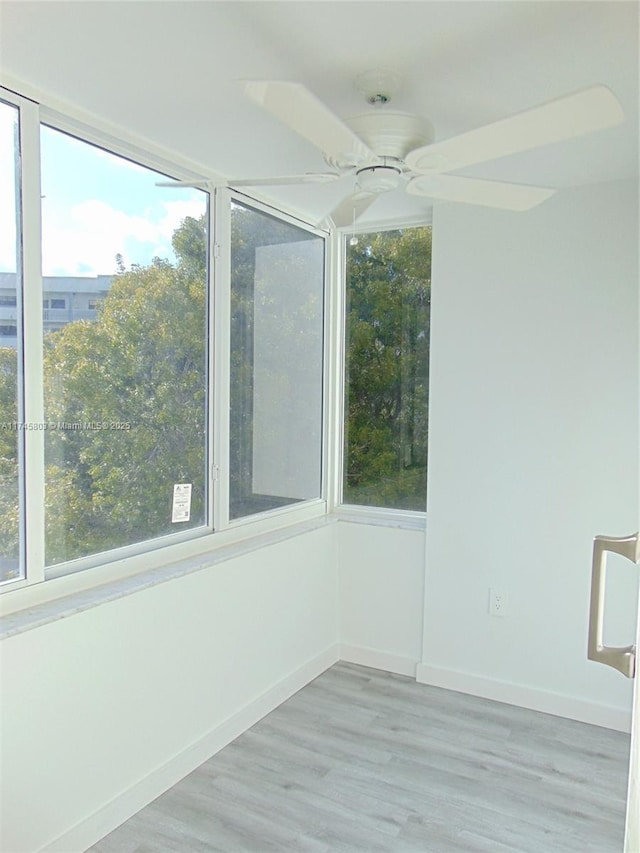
(170, 72)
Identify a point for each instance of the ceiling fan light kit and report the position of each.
(378, 179)
(385, 150)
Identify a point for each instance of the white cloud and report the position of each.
(86, 239)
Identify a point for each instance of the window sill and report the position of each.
(46, 612)
(377, 517)
(33, 607)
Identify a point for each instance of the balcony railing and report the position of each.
(67, 315)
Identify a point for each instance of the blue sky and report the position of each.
(8, 117)
(95, 205)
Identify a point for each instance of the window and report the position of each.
(388, 287)
(107, 429)
(277, 301)
(11, 447)
(125, 393)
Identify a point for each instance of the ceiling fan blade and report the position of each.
(582, 112)
(348, 211)
(304, 113)
(309, 178)
(474, 191)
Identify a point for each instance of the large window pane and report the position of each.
(388, 282)
(277, 286)
(125, 361)
(11, 435)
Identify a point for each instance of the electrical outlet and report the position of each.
(498, 602)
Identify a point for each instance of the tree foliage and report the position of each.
(388, 317)
(9, 438)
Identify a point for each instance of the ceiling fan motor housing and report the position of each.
(392, 134)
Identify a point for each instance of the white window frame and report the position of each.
(182, 548)
(379, 516)
(227, 198)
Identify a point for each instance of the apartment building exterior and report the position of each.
(64, 299)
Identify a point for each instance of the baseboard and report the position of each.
(526, 697)
(126, 804)
(377, 659)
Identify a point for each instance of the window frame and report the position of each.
(237, 529)
(38, 585)
(380, 516)
(140, 157)
(233, 196)
(32, 116)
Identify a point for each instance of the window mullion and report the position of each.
(221, 298)
(31, 264)
(334, 383)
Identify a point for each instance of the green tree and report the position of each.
(141, 364)
(190, 245)
(388, 318)
(9, 438)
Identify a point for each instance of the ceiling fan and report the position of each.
(386, 150)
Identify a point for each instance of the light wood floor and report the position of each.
(361, 760)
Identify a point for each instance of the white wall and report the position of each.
(534, 446)
(103, 710)
(381, 572)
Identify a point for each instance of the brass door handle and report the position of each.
(620, 658)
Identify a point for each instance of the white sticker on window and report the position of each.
(181, 502)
